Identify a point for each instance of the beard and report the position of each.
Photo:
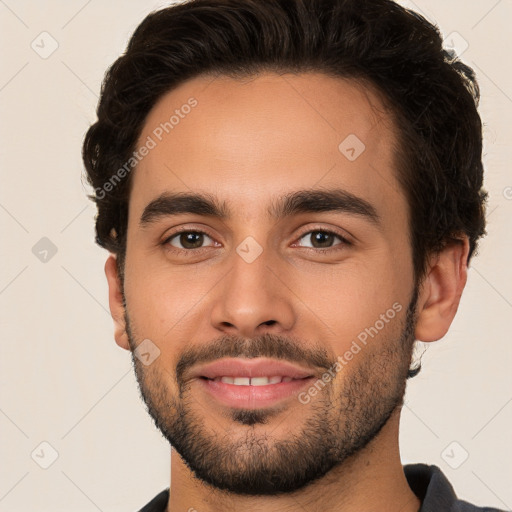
(247, 459)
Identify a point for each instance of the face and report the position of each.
(268, 266)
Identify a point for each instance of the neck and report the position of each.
(371, 480)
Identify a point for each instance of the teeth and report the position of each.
(254, 381)
(242, 381)
(259, 381)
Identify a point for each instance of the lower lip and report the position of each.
(252, 397)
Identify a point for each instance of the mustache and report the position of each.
(267, 345)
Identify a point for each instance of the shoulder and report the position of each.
(464, 506)
(436, 493)
(158, 503)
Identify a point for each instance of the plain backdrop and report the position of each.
(64, 381)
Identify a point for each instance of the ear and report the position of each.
(441, 290)
(115, 300)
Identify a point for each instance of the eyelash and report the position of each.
(343, 240)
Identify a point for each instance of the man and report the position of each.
(291, 192)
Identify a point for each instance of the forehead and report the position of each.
(250, 140)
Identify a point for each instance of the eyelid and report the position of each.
(333, 231)
(185, 229)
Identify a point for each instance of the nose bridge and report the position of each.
(251, 298)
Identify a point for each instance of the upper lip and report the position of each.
(243, 367)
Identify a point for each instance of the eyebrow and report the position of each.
(293, 203)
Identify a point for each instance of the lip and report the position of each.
(251, 397)
(258, 367)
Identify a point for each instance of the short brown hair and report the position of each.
(433, 95)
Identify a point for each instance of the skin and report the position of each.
(247, 142)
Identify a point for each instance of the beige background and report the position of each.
(63, 379)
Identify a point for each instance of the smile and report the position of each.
(252, 392)
(253, 381)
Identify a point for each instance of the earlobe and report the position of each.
(441, 291)
(115, 300)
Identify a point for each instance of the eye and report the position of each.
(188, 240)
(323, 239)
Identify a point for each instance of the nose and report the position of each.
(253, 299)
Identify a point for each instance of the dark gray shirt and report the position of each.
(427, 482)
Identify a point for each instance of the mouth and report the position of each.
(254, 392)
(238, 368)
(251, 383)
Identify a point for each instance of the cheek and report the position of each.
(161, 302)
(360, 300)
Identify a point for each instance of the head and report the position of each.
(257, 128)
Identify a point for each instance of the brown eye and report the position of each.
(188, 240)
(322, 239)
